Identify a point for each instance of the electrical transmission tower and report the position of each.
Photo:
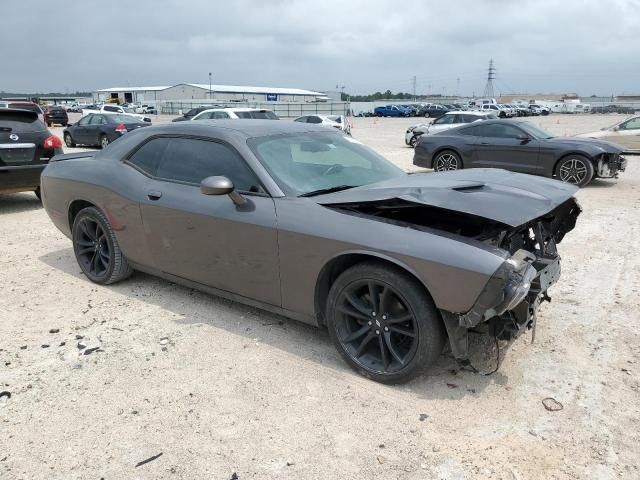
(491, 76)
(414, 86)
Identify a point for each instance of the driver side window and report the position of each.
(187, 160)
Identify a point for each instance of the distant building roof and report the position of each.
(249, 89)
(132, 89)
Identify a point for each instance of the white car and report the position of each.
(336, 121)
(625, 133)
(449, 120)
(235, 113)
(110, 108)
(495, 109)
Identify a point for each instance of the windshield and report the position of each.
(535, 131)
(303, 163)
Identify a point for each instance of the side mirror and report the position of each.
(523, 137)
(221, 186)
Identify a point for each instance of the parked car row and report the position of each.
(614, 109)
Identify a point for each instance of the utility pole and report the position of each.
(414, 87)
(458, 87)
(209, 84)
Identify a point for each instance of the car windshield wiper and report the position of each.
(327, 190)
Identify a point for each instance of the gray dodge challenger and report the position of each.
(309, 223)
(519, 146)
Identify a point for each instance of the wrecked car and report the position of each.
(311, 224)
(520, 146)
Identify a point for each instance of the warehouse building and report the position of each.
(220, 93)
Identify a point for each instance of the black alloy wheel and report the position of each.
(383, 323)
(96, 248)
(447, 161)
(93, 250)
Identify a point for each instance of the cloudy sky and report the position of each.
(584, 46)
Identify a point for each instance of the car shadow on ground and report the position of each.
(601, 183)
(19, 202)
(446, 379)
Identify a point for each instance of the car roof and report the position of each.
(245, 127)
(234, 109)
(468, 112)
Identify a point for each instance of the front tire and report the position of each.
(96, 248)
(575, 169)
(383, 323)
(427, 115)
(413, 141)
(446, 161)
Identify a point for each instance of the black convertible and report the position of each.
(519, 146)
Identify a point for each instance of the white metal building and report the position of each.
(130, 94)
(221, 93)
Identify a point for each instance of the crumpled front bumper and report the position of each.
(508, 304)
(610, 164)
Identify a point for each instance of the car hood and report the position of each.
(578, 142)
(499, 195)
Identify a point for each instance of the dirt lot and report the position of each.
(218, 388)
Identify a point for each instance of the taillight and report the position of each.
(122, 128)
(52, 142)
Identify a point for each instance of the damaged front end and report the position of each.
(609, 165)
(508, 304)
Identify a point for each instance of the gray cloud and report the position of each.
(366, 45)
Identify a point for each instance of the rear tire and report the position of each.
(426, 115)
(38, 193)
(393, 344)
(104, 141)
(575, 169)
(68, 140)
(446, 161)
(96, 248)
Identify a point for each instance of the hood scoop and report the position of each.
(469, 188)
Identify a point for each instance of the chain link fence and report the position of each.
(282, 109)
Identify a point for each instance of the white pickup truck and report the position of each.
(111, 108)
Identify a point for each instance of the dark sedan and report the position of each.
(432, 111)
(100, 129)
(304, 221)
(519, 146)
(55, 114)
(26, 145)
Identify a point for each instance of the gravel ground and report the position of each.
(218, 388)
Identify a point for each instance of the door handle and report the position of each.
(154, 194)
(484, 143)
